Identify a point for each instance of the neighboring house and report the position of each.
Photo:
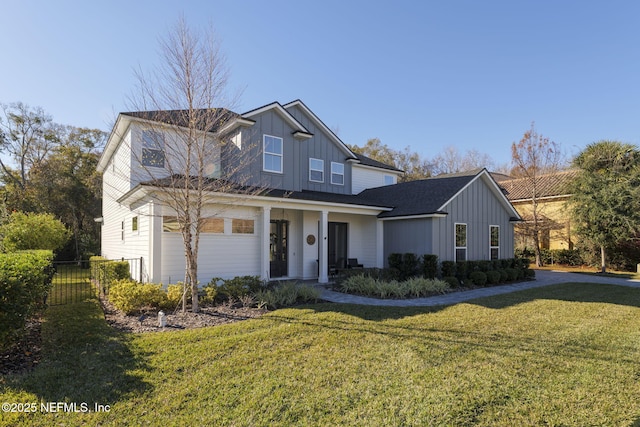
(552, 195)
(320, 204)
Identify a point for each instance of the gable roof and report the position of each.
(429, 197)
(551, 185)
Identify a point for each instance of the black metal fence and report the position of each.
(74, 281)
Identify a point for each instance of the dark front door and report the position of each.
(337, 250)
(279, 235)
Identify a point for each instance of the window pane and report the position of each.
(134, 223)
(272, 163)
(170, 224)
(212, 225)
(153, 158)
(316, 175)
(461, 235)
(461, 254)
(272, 145)
(337, 179)
(337, 173)
(495, 236)
(495, 253)
(242, 226)
(388, 180)
(152, 139)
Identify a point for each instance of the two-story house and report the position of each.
(319, 203)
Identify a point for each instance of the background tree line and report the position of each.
(47, 167)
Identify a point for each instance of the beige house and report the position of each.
(551, 194)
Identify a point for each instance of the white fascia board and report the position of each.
(495, 188)
(321, 124)
(357, 163)
(433, 215)
(293, 122)
(236, 123)
(141, 191)
(115, 138)
(302, 135)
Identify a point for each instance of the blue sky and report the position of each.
(424, 74)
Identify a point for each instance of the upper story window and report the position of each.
(152, 148)
(272, 154)
(316, 170)
(337, 173)
(388, 180)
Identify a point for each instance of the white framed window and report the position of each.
(242, 226)
(461, 241)
(316, 170)
(152, 149)
(494, 241)
(212, 225)
(337, 173)
(272, 154)
(388, 180)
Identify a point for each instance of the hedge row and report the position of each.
(25, 280)
(106, 272)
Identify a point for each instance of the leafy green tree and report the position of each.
(606, 195)
(25, 231)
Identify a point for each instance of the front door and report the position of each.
(337, 246)
(279, 234)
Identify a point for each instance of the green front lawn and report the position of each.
(560, 355)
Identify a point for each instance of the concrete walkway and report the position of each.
(543, 278)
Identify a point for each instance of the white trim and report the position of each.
(321, 125)
(432, 215)
(339, 174)
(302, 135)
(293, 122)
(357, 163)
(264, 154)
(236, 123)
(455, 241)
(490, 245)
(316, 170)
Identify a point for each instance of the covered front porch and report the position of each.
(306, 243)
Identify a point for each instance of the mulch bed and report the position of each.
(24, 354)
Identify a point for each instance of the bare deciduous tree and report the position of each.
(533, 157)
(189, 153)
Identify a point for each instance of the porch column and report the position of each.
(379, 243)
(152, 271)
(323, 248)
(265, 266)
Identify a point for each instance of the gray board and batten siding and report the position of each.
(296, 154)
(478, 206)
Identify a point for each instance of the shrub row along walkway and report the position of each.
(543, 278)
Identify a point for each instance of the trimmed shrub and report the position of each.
(529, 273)
(395, 261)
(25, 280)
(105, 271)
(429, 266)
(452, 281)
(512, 274)
(174, 295)
(448, 268)
(413, 287)
(504, 277)
(240, 286)
(462, 269)
(287, 294)
(493, 277)
(478, 278)
(130, 296)
(33, 231)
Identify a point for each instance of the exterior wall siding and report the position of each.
(408, 235)
(364, 178)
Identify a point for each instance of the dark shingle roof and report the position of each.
(549, 185)
(368, 161)
(422, 197)
(212, 119)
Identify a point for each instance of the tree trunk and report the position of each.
(536, 242)
(603, 259)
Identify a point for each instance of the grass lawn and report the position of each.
(560, 355)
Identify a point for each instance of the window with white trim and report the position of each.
(494, 241)
(134, 225)
(461, 242)
(242, 226)
(388, 180)
(272, 154)
(212, 225)
(337, 173)
(152, 149)
(316, 170)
